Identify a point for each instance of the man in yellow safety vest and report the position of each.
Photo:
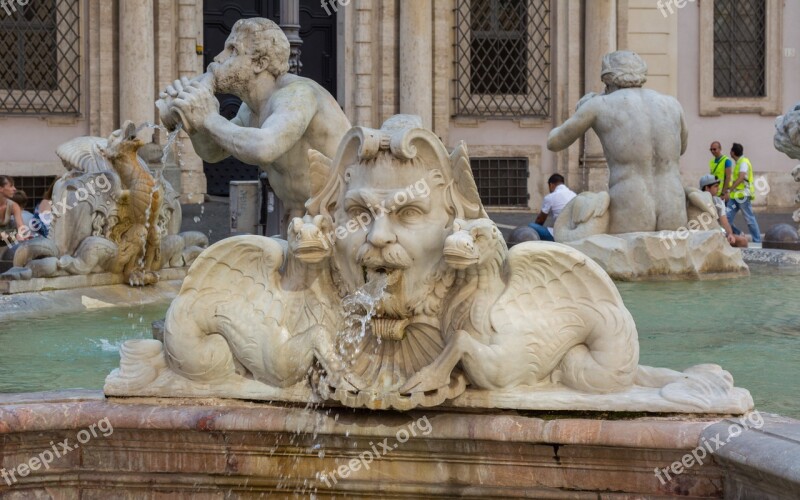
(720, 167)
(742, 193)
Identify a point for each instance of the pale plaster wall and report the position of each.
(753, 131)
(28, 143)
(655, 38)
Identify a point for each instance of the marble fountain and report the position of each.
(391, 345)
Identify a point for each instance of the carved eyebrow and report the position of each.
(422, 203)
(355, 198)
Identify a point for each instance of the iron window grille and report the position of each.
(34, 187)
(739, 48)
(502, 182)
(502, 58)
(40, 57)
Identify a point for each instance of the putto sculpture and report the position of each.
(110, 214)
(395, 290)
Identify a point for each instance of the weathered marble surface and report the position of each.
(282, 115)
(217, 448)
(664, 255)
(396, 291)
(771, 256)
(762, 462)
(787, 140)
(787, 133)
(644, 135)
(110, 214)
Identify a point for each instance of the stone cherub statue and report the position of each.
(396, 290)
(282, 115)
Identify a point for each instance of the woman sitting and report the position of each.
(9, 209)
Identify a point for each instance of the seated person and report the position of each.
(710, 184)
(8, 209)
(553, 204)
(21, 199)
(44, 212)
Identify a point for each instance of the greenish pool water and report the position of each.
(750, 326)
(71, 350)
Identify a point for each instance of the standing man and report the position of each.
(742, 193)
(720, 167)
(553, 203)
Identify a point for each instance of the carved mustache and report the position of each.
(392, 256)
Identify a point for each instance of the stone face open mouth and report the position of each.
(392, 275)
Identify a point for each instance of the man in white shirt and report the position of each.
(553, 204)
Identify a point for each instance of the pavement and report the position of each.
(213, 219)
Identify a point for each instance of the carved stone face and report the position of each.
(405, 225)
(233, 67)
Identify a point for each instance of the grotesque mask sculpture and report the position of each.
(395, 291)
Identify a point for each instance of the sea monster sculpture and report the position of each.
(585, 340)
(265, 324)
(136, 232)
(445, 304)
(111, 214)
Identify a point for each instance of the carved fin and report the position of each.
(590, 205)
(84, 154)
(464, 184)
(701, 201)
(320, 169)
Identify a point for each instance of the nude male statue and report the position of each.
(282, 115)
(643, 134)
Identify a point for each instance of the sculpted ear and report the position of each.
(325, 185)
(320, 170)
(464, 189)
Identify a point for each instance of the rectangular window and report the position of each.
(502, 182)
(741, 59)
(739, 48)
(39, 57)
(503, 58)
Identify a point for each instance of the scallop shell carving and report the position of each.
(389, 329)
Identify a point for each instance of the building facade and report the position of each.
(497, 74)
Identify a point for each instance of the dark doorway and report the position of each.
(318, 53)
(318, 56)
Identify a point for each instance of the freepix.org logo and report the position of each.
(11, 6)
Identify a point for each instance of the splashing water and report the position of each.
(359, 307)
(109, 346)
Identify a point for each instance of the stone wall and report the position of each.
(214, 450)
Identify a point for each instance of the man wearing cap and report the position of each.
(743, 193)
(720, 167)
(710, 184)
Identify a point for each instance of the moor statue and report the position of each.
(643, 134)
